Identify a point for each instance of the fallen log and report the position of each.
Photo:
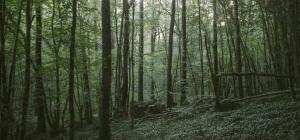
(172, 114)
(222, 74)
(271, 93)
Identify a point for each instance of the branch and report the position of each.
(222, 74)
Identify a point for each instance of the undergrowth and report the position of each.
(264, 119)
(269, 118)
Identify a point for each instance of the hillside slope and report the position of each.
(270, 118)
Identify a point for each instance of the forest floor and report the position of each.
(268, 118)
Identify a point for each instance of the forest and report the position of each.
(149, 69)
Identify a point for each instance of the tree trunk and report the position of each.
(11, 83)
(215, 79)
(118, 70)
(201, 49)
(153, 39)
(132, 65)
(170, 100)
(87, 93)
(184, 56)
(125, 88)
(39, 97)
(4, 94)
(56, 123)
(239, 64)
(105, 133)
(25, 98)
(141, 54)
(71, 70)
(294, 43)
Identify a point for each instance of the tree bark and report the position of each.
(71, 70)
(4, 94)
(201, 49)
(141, 54)
(215, 79)
(39, 97)
(105, 133)
(56, 123)
(125, 88)
(87, 93)
(25, 99)
(153, 39)
(184, 56)
(132, 65)
(170, 100)
(239, 64)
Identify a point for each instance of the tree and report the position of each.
(132, 64)
(215, 79)
(153, 39)
(132, 50)
(184, 56)
(71, 69)
(170, 101)
(4, 96)
(141, 54)
(238, 48)
(39, 97)
(294, 43)
(118, 66)
(125, 91)
(152, 42)
(201, 48)
(7, 115)
(87, 93)
(25, 99)
(105, 133)
(56, 49)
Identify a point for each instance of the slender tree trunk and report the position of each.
(27, 70)
(184, 56)
(71, 70)
(11, 83)
(119, 67)
(238, 48)
(222, 64)
(141, 54)
(132, 65)
(294, 43)
(57, 67)
(4, 95)
(105, 133)
(153, 39)
(117, 71)
(170, 100)
(133, 50)
(201, 49)
(193, 75)
(39, 97)
(215, 79)
(78, 100)
(87, 92)
(14, 57)
(57, 85)
(125, 88)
